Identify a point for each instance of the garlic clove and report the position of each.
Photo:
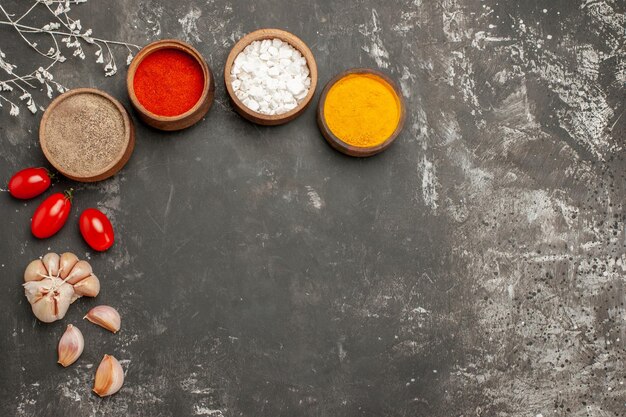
(89, 287)
(49, 298)
(35, 271)
(51, 261)
(68, 260)
(71, 346)
(109, 377)
(105, 316)
(81, 270)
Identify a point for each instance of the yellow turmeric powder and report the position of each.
(362, 110)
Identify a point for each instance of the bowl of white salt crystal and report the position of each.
(270, 76)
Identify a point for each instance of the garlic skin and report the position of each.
(49, 284)
(109, 377)
(105, 316)
(71, 346)
(49, 298)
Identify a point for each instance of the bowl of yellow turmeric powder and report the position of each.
(361, 112)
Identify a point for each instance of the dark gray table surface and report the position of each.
(476, 268)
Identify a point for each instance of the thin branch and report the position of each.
(30, 29)
(71, 37)
(27, 11)
(10, 22)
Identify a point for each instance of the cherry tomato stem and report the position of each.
(69, 194)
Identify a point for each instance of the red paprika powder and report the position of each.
(168, 82)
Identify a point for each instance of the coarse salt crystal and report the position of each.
(252, 104)
(257, 92)
(273, 71)
(295, 86)
(270, 77)
(284, 52)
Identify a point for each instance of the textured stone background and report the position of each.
(476, 268)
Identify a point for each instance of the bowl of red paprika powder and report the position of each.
(170, 85)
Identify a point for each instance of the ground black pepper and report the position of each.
(85, 135)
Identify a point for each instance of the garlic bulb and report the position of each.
(71, 346)
(52, 283)
(105, 316)
(109, 377)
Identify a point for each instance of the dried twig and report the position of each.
(62, 30)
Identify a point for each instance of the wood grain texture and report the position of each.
(339, 144)
(293, 40)
(191, 116)
(120, 160)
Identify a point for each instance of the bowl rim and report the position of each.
(167, 44)
(291, 39)
(347, 148)
(43, 140)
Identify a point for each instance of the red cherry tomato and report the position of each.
(96, 229)
(51, 214)
(29, 183)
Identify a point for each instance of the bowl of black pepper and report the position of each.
(87, 135)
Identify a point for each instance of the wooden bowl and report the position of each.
(191, 116)
(297, 43)
(339, 144)
(63, 105)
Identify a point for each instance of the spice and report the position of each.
(362, 110)
(270, 77)
(168, 82)
(84, 135)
